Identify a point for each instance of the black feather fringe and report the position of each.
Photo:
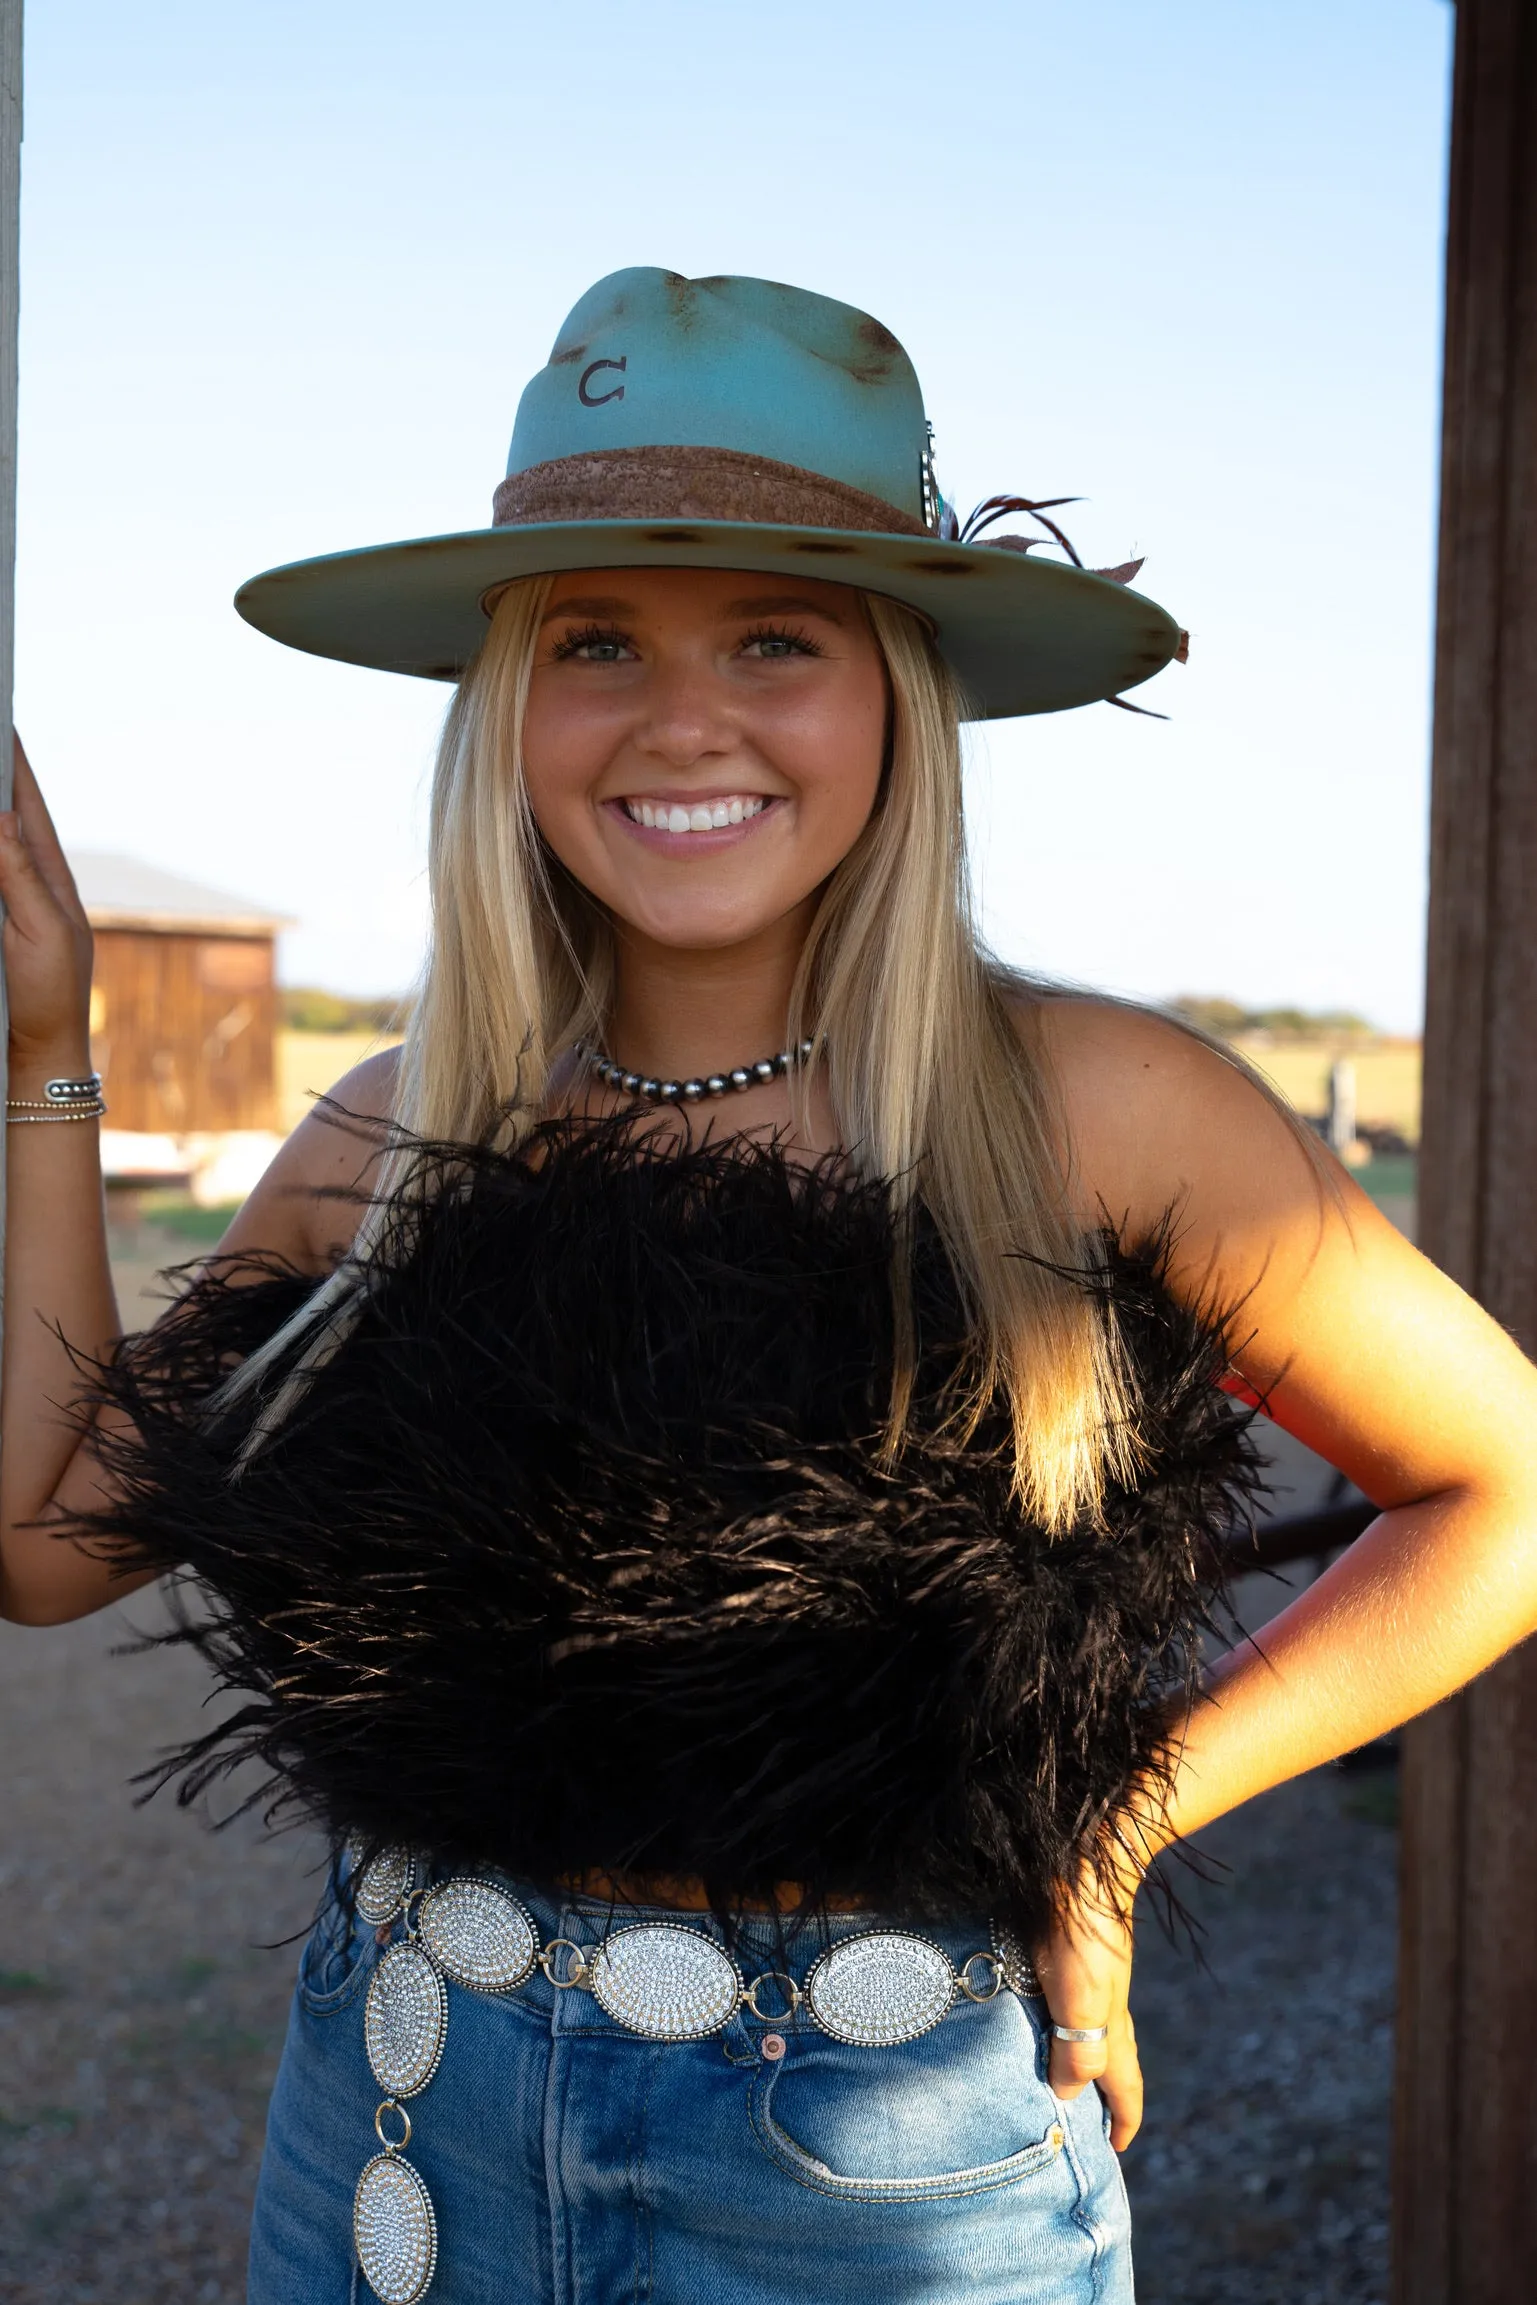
(581, 1552)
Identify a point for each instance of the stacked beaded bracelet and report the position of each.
(61, 1100)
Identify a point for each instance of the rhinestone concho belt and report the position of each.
(660, 1979)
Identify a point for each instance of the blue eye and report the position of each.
(595, 644)
(774, 644)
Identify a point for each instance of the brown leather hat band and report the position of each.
(691, 484)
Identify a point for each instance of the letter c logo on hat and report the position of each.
(596, 399)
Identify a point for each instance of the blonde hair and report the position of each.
(936, 1072)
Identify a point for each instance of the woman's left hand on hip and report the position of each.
(1085, 1970)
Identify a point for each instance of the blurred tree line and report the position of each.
(304, 1008)
(1230, 1020)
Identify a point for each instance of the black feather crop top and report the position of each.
(580, 1551)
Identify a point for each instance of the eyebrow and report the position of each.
(765, 604)
(782, 604)
(588, 605)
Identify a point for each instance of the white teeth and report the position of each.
(703, 816)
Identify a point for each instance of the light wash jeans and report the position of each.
(572, 2163)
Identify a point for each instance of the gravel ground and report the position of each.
(142, 2011)
(140, 2018)
(1261, 2175)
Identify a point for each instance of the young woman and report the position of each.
(705, 1468)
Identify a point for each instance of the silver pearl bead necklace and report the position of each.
(648, 1091)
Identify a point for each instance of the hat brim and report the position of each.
(1022, 634)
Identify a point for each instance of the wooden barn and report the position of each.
(183, 1001)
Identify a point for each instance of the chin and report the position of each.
(701, 932)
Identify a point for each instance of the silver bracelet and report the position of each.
(86, 1090)
(14, 1119)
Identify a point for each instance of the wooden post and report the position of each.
(10, 305)
(1465, 2217)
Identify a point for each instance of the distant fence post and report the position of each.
(10, 305)
(1465, 2180)
(1340, 1123)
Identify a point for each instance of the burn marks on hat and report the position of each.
(878, 354)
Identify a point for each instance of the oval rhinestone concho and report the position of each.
(382, 1886)
(878, 1989)
(395, 2230)
(478, 1935)
(405, 2021)
(666, 1982)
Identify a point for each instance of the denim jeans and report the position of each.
(571, 2162)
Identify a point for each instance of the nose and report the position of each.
(686, 717)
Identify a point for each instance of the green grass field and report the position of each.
(1387, 1078)
(309, 1063)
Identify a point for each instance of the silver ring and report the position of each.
(1081, 2032)
(981, 1992)
(792, 1996)
(580, 1969)
(392, 2105)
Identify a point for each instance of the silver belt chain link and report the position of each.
(661, 1980)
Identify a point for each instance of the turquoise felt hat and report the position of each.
(734, 423)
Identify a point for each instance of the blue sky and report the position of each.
(286, 269)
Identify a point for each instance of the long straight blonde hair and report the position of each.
(937, 1074)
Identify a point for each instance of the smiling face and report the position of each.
(703, 747)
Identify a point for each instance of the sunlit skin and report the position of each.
(706, 686)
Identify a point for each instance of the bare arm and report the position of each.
(1363, 1349)
(1358, 1345)
(57, 1279)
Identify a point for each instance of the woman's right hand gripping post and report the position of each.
(57, 1280)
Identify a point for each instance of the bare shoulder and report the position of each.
(303, 1208)
(1158, 1120)
(1351, 1339)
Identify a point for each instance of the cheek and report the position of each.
(561, 758)
(838, 766)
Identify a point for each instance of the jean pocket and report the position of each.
(336, 1960)
(961, 2110)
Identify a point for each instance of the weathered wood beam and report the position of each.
(1465, 2187)
(10, 276)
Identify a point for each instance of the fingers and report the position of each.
(1112, 2062)
(1085, 1970)
(1074, 2064)
(42, 841)
(1121, 2083)
(32, 910)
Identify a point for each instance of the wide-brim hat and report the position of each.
(734, 423)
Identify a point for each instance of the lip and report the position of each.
(699, 844)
